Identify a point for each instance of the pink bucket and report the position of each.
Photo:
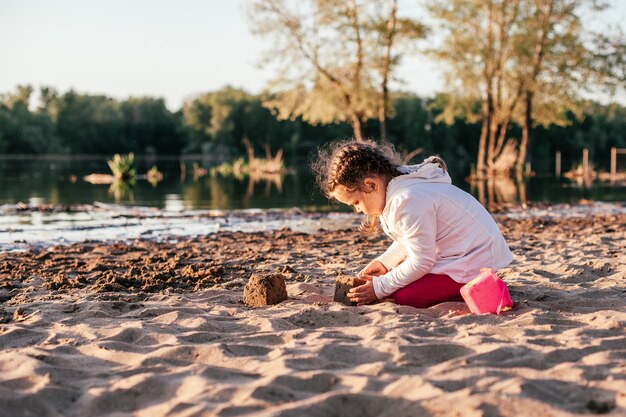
(487, 293)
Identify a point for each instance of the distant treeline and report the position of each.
(215, 123)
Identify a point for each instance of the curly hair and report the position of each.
(349, 162)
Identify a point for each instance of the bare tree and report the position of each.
(525, 61)
(335, 58)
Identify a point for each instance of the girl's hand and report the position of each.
(363, 294)
(374, 268)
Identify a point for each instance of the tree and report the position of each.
(23, 131)
(90, 124)
(150, 126)
(393, 34)
(215, 117)
(49, 102)
(223, 118)
(475, 49)
(524, 61)
(335, 57)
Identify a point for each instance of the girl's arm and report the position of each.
(417, 224)
(394, 254)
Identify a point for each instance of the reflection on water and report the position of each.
(174, 203)
(122, 191)
(61, 182)
(38, 182)
(268, 180)
(499, 193)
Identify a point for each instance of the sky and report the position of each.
(172, 49)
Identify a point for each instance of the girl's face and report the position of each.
(371, 201)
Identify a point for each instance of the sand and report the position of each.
(149, 328)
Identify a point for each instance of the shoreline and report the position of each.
(24, 227)
(155, 328)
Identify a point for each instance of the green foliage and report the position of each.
(216, 117)
(91, 124)
(23, 131)
(123, 167)
(86, 124)
(253, 167)
(154, 176)
(138, 123)
(526, 62)
(149, 127)
(599, 129)
(237, 168)
(334, 58)
(219, 121)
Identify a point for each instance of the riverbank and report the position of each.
(24, 227)
(153, 327)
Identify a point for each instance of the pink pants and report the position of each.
(429, 290)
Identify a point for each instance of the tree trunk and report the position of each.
(489, 78)
(391, 31)
(480, 162)
(355, 121)
(491, 143)
(354, 15)
(491, 135)
(536, 69)
(382, 118)
(526, 125)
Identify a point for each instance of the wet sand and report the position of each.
(152, 328)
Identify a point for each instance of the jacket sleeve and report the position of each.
(394, 254)
(417, 226)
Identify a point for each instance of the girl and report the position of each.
(441, 235)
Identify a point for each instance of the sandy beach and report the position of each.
(159, 328)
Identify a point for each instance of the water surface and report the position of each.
(60, 181)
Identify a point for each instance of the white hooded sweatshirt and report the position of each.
(436, 228)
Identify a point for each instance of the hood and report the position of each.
(427, 171)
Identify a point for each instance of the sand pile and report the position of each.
(155, 329)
